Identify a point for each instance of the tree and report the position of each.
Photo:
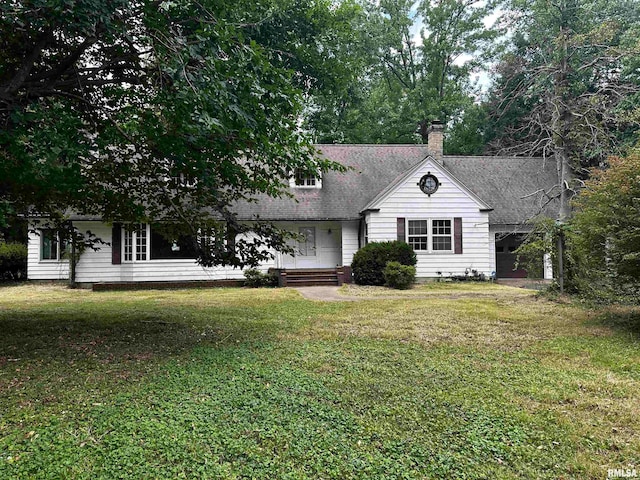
(606, 224)
(467, 134)
(566, 88)
(416, 59)
(133, 111)
(568, 84)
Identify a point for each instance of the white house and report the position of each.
(458, 213)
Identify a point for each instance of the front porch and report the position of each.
(319, 246)
(308, 277)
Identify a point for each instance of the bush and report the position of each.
(255, 278)
(13, 261)
(399, 276)
(370, 261)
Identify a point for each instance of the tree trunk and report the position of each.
(560, 121)
(560, 247)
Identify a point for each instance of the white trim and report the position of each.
(299, 243)
(148, 253)
(547, 267)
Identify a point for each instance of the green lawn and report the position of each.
(449, 382)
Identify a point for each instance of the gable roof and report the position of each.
(429, 160)
(513, 186)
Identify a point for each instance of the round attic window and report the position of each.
(429, 184)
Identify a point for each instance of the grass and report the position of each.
(449, 289)
(451, 382)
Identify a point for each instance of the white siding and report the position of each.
(97, 267)
(349, 241)
(450, 201)
(38, 269)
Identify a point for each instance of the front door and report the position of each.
(318, 246)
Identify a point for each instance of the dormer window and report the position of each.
(302, 179)
(183, 180)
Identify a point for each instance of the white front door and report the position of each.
(318, 246)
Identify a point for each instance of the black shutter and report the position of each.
(457, 235)
(116, 244)
(231, 240)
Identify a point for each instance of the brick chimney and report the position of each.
(435, 139)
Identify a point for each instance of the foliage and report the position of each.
(399, 276)
(606, 225)
(255, 278)
(567, 89)
(470, 275)
(369, 262)
(537, 243)
(567, 85)
(216, 383)
(138, 111)
(13, 261)
(467, 135)
(416, 59)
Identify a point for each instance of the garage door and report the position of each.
(506, 245)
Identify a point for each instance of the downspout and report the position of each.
(360, 225)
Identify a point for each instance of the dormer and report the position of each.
(302, 179)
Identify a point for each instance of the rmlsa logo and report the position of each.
(622, 473)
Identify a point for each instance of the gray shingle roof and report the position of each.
(514, 186)
(508, 184)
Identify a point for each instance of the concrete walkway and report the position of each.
(324, 293)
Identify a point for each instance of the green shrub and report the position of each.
(255, 278)
(399, 276)
(369, 262)
(13, 261)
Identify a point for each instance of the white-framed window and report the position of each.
(441, 235)
(430, 235)
(418, 236)
(134, 243)
(52, 245)
(302, 179)
(143, 242)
